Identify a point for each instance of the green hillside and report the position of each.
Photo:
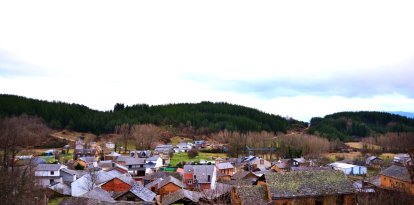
(206, 116)
(347, 125)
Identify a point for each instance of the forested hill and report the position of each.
(206, 116)
(345, 125)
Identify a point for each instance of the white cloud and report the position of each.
(102, 52)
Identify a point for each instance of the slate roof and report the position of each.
(220, 190)
(182, 194)
(122, 158)
(308, 183)
(153, 183)
(173, 180)
(113, 154)
(161, 174)
(48, 167)
(309, 168)
(240, 175)
(88, 159)
(134, 161)
(141, 153)
(201, 172)
(69, 171)
(397, 172)
(153, 158)
(61, 188)
(127, 179)
(105, 164)
(252, 195)
(98, 193)
(225, 165)
(88, 201)
(142, 193)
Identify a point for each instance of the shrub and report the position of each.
(192, 153)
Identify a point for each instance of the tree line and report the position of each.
(202, 117)
(349, 125)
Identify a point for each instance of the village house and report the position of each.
(140, 153)
(243, 178)
(402, 159)
(200, 144)
(98, 194)
(106, 164)
(87, 162)
(112, 156)
(154, 162)
(256, 163)
(349, 169)
(47, 174)
(165, 149)
(136, 166)
(374, 161)
(77, 153)
(310, 187)
(120, 183)
(397, 178)
(200, 177)
(137, 193)
(109, 146)
(169, 185)
(182, 196)
(80, 144)
(280, 167)
(69, 176)
(159, 175)
(225, 170)
(246, 195)
(91, 180)
(182, 147)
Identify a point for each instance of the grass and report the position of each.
(182, 156)
(359, 145)
(56, 201)
(334, 156)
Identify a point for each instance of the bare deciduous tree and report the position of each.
(125, 131)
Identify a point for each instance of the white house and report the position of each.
(110, 145)
(90, 181)
(47, 174)
(182, 147)
(155, 162)
(349, 169)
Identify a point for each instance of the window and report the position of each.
(190, 181)
(52, 173)
(51, 181)
(208, 178)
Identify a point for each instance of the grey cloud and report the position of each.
(362, 84)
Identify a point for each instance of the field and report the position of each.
(359, 145)
(49, 159)
(72, 136)
(179, 157)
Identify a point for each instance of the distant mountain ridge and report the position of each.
(202, 117)
(347, 125)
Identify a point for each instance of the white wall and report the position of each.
(47, 173)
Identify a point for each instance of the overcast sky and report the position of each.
(292, 58)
